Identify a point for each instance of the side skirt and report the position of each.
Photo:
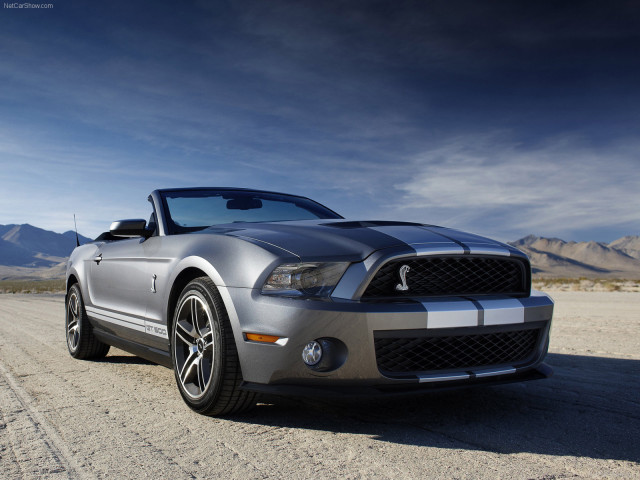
(154, 355)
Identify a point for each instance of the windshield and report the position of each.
(191, 210)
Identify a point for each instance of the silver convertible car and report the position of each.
(244, 292)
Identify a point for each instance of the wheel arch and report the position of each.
(181, 281)
(189, 269)
(230, 398)
(71, 280)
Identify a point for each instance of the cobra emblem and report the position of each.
(403, 287)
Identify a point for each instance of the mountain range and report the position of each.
(31, 252)
(553, 257)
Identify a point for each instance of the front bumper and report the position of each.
(279, 367)
(330, 391)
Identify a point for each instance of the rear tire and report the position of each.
(81, 342)
(204, 355)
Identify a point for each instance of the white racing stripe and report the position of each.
(115, 316)
(465, 313)
(451, 313)
(493, 373)
(502, 311)
(442, 377)
(135, 323)
(442, 248)
(487, 249)
(465, 375)
(123, 320)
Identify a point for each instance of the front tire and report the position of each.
(204, 355)
(81, 342)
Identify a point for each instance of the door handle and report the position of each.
(97, 258)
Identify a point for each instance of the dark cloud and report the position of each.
(341, 99)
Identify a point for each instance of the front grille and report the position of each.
(451, 275)
(425, 354)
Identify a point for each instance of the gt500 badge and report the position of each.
(158, 331)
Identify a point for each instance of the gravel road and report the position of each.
(123, 417)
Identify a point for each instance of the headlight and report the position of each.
(304, 279)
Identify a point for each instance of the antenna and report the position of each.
(76, 225)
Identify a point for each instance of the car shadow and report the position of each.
(125, 359)
(589, 408)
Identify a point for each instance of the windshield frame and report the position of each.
(173, 229)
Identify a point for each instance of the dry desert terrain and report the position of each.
(123, 417)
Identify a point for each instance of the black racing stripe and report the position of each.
(371, 223)
(480, 310)
(373, 238)
(465, 247)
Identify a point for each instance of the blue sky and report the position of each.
(501, 118)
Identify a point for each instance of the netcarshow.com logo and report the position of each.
(28, 5)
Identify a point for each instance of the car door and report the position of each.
(119, 287)
(161, 260)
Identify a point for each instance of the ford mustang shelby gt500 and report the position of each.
(245, 291)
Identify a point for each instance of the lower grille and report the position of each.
(425, 354)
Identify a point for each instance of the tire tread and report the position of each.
(230, 398)
(89, 347)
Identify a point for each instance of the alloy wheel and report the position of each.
(193, 346)
(73, 321)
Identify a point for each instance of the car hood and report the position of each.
(355, 240)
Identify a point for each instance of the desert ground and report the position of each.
(122, 417)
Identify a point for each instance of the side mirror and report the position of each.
(130, 228)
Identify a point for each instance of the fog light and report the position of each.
(312, 353)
